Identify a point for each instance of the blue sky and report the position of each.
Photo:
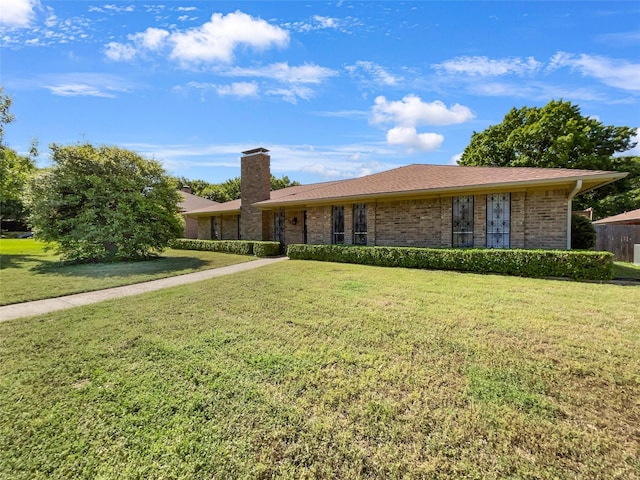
(333, 89)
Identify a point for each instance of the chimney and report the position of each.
(255, 186)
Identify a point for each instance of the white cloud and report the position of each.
(119, 9)
(217, 40)
(119, 52)
(307, 74)
(292, 93)
(326, 22)
(412, 111)
(78, 90)
(486, 67)
(82, 85)
(151, 38)
(455, 159)
(17, 13)
(410, 138)
(615, 73)
(186, 9)
(375, 72)
(213, 42)
(238, 89)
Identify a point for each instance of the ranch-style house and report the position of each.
(416, 205)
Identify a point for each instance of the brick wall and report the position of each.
(190, 227)
(410, 223)
(480, 221)
(255, 186)
(545, 219)
(538, 220)
(228, 225)
(319, 225)
(204, 228)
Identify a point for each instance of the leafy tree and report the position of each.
(228, 190)
(14, 169)
(104, 204)
(583, 234)
(283, 182)
(556, 135)
(617, 197)
(6, 117)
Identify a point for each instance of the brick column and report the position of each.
(255, 186)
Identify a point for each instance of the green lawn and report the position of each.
(626, 271)
(320, 370)
(27, 272)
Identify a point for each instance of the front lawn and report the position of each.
(27, 272)
(320, 370)
(626, 271)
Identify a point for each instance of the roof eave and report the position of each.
(605, 177)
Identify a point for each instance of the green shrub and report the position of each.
(583, 234)
(524, 263)
(239, 247)
(267, 249)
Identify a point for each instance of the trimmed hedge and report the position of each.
(238, 247)
(584, 265)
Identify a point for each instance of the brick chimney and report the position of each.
(255, 186)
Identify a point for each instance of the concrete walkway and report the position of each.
(38, 307)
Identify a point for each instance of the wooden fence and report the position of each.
(618, 239)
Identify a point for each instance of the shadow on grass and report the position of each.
(29, 262)
(626, 271)
(154, 266)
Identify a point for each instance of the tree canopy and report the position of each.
(15, 169)
(104, 204)
(556, 135)
(229, 189)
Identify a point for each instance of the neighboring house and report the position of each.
(192, 202)
(415, 205)
(619, 234)
(626, 218)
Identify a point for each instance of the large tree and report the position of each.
(229, 189)
(556, 135)
(15, 169)
(104, 204)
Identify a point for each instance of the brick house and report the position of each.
(189, 201)
(415, 205)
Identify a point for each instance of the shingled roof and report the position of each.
(423, 180)
(193, 202)
(628, 218)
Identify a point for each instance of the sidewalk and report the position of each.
(38, 307)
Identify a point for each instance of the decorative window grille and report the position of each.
(498, 220)
(215, 231)
(304, 227)
(279, 219)
(462, 221)
(359, 224)
(337, 230)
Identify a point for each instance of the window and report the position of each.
(337, 229)
(215, 235)
(359, 224)
(279, 219)
(462, 221)
(498, 220)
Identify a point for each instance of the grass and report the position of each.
(626, 271)
(320, 370)
(28, 273)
